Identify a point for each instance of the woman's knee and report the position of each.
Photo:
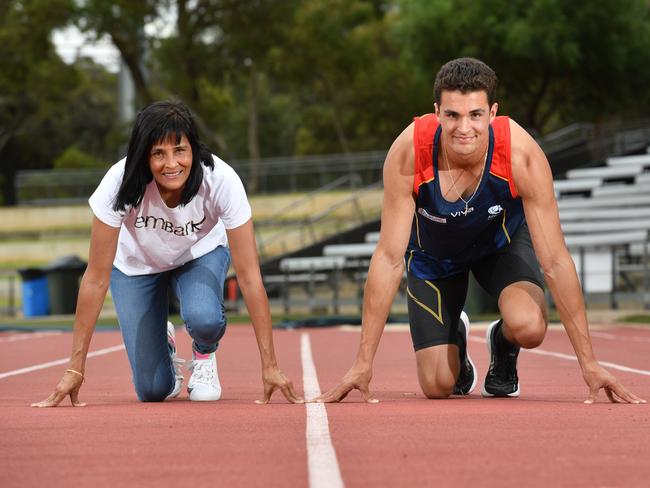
(148, 391)
(207, 325)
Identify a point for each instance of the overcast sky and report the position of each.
(70, 44)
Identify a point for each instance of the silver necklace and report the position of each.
(453, 183)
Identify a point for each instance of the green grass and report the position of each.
(65, 323)
(637, 319)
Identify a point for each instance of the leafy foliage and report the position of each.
(290, 77)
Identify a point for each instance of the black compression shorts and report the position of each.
(434, 306)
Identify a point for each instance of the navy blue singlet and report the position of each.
(444, 241)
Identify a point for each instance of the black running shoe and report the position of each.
(501, 379)
(467, 376)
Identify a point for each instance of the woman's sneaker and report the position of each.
(467, 377)
(176, 361)
(204, 383)
(501, 379)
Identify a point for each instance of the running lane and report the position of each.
(548, 437)
(116, 441)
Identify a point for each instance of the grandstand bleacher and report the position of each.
(605, 216)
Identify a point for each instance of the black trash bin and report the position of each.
(63, 276)
(35, 292)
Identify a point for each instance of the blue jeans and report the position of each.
(142, 305)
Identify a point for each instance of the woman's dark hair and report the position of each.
(466, 75)
(154, 124)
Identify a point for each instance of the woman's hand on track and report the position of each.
(274, 379)
(69, 385)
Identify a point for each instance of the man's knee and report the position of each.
(528, 331)
(437, 386)
(437, 392)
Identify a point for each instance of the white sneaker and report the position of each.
(204, 383)
(176, 361)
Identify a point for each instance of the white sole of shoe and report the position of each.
(198, 396)
(178, 386)
(178, 381)
(484, 392)
(465, 319)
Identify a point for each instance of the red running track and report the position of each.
(545, 438)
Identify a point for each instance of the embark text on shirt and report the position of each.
(165, 225)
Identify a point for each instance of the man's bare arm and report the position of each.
(534, 183)
(386, 265)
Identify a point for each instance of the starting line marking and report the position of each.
(58, 362)
(560, 355)
(322, 464)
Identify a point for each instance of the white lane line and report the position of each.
(614, 337)
(58, 362)
(24, 336)
(322, 464)
(560, 355)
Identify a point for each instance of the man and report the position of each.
(466, 190)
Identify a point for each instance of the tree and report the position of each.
(556, 60)
(222, 47)
(123, 21)
(34, 88)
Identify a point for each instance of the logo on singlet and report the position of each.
(494, 211)
(464, 212)
(427, 215)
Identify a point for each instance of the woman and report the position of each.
(167, 215)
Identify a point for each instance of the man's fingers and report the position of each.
(290, 394)
(329, 396)
(367, 396)
(610, 395)
(294, 395)
(616, 393)
(339, 393)
(593, 393)
(637, 399)
(625, 395)
(318, 399)
(268, 391)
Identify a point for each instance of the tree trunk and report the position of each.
(8, 187)
(337, 119)
(133, 58)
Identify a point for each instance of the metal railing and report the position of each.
(350, 181)
(575, 145)
(275, 175)
(303, 232)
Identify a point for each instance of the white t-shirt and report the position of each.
(155, 238)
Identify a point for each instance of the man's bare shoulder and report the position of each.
(401, 155)
(523, 146)
(530, 168)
